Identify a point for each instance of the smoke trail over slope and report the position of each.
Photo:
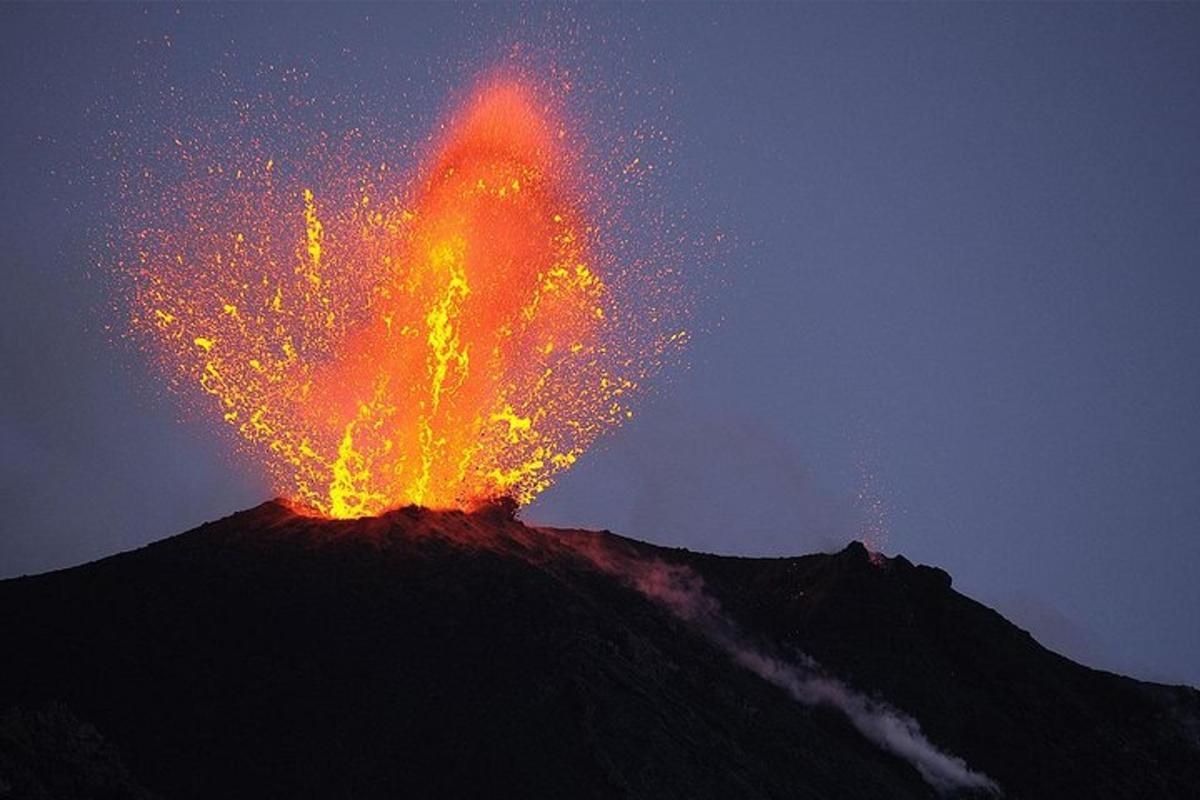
(682, 591)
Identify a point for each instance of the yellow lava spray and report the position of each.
(442, 342)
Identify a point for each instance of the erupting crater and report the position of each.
(440, 340)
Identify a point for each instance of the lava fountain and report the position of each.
(442, 339)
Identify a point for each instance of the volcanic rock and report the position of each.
(443, 654)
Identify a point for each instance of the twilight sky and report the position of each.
(958, 313)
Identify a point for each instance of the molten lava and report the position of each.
(440, 342)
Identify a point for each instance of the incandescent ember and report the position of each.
(441, 340)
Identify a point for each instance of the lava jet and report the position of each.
(441, 336)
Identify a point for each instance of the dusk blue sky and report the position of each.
(961, 280)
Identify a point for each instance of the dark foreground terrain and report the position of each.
(437, 654)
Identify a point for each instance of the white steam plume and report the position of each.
(682, 591)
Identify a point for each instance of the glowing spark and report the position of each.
(439, 342)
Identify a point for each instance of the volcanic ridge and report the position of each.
(447, 654)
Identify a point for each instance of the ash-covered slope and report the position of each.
(433, 654)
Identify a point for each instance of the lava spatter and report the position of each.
(439, 340)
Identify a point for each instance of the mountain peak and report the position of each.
(856, 550)
(436, 653)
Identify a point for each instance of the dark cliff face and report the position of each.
(442, 654)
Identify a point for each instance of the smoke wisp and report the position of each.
(681, 590)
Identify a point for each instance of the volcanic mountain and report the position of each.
(443, 654)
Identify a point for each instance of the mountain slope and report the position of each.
(441, 654)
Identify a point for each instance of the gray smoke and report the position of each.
(682, 591)
(887, 727)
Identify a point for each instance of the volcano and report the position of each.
(453, 654)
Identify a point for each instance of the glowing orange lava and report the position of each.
(441, 343)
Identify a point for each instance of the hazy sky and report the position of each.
(958, 312)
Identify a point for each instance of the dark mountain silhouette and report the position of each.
(440, 654)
